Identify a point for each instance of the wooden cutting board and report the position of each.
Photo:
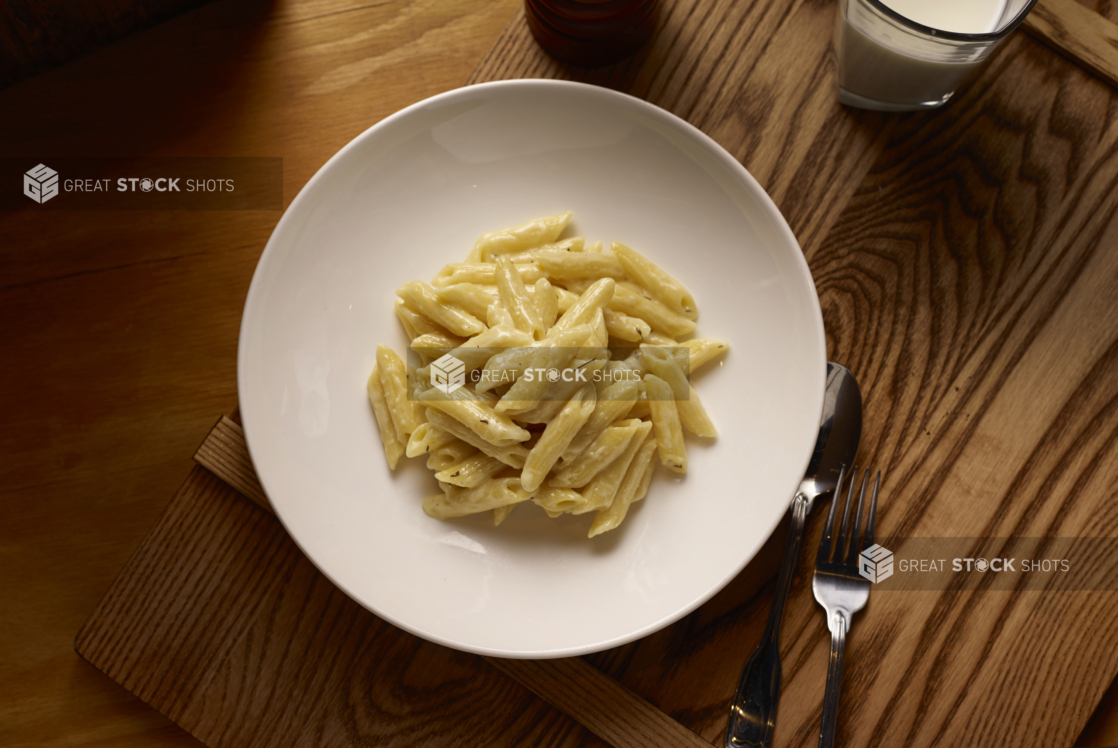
(966, 268)
(220, 622)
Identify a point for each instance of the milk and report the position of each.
(962, 16)
(881, 67)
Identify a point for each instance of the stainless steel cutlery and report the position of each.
(839, 587)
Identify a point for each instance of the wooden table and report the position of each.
(961, 257)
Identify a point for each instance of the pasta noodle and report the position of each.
(601, 491)
(665, 419)
(692, 416)
(394, 384)
(393, 447)
(546, 371)
(471, 472)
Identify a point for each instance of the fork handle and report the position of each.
(838, 626)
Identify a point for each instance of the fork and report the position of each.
(839, 588)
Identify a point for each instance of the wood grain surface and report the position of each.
(967, 250)
(1083, 34)
(597, 702)
(120, 331)
(223, 453)
(268, 652)
(603, 706)
(968, 283)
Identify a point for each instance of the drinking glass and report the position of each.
(891, 63)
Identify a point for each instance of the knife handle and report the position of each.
(753, 710)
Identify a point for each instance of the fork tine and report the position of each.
(840, 547)
(855, 538)
(829, 528)
(873, 513)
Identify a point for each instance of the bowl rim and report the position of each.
(655, 112)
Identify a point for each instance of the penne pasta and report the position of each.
(601, 334)
(423, 298)
(631, 368)
(450, 454)
(640, 410)
(558, 394)
(635, 288)
(657, 339)
(394, 384)
(477, 351)
(513, 456)
(405, 318)
(417, 384)
(658, 284)
(578, 265)
(427, 438)
(694, 417)
(544, 370)
(590, 302)
(574, 244)
(566, 298)
(703, 350)
(633, 488)
(470, 297)
(481, 274)
(393, 446)
(477, 415)
(602, 489)
(605, 448)
(558, 501)
(659, 317)
(515, 299)
(434, 345)
(546, 299)
(646, 477)
(504, 367)
(472, 471)
(516, 238)
(415, 323)
(614, 403)
(665, 423)
(624, 327)
(456, 501)
(498, 316)
(529, 388)
(665, 363)
(557, 436)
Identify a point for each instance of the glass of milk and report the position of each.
(904, 55)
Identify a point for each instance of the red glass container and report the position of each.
(591, 33)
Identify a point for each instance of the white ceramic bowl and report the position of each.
(410, 195)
